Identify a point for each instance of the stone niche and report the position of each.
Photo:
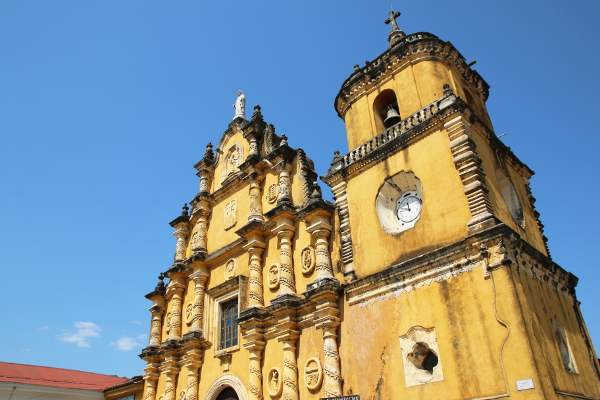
(421, 356)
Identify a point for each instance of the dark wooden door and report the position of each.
(228, 394)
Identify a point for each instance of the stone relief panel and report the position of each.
(231, 269)
(189, 313)
(230, 214)
(274, 382)
(313, 373)
(274, 277)
(272, 192)
(308, 260)
(232, 160)
(421, 356)
(168, 322)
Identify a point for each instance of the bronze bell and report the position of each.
(392, 118)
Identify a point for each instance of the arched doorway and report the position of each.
(228, 394)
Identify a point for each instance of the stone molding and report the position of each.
(224, 381)
(503, 247)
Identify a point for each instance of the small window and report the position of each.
(229, 329)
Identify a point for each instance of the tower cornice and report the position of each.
(412, 48)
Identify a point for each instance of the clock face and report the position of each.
(409, 207)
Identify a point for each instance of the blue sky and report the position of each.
(106, 105)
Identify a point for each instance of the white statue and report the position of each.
(240, 105)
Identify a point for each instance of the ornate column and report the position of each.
(255, 200)
(319, 228)
(182, 225)
(332, 379)
(175, 294)
(171, 385)
(285, 182)
(286, 263)
(199, 237)
(255, 296)
(193, 372)
(150, 381)
(155, 327)
(290, 366)
(200, 276)
(255, 347)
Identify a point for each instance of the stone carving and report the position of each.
(232, 160)
(230, 214)
(274, 277)
(168, 322)
(272, 193)
(199, 237)
(230, 269)
(421, 356)
(313, 373)
(308, 261)
(275, 383)
(182, 395)
(240, 105)
(189, 313)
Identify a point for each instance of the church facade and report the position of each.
(428, 277)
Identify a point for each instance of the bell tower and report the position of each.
(420, 137)
(441, 245)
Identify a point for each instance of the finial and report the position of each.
(396, 33)
(184, 210)
(160, 286)
(356, 67)
(336, 157)
(257, 115)
(447, 89)
(316, 193)
(283, 140)
(209, 151)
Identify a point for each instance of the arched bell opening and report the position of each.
(386, 110)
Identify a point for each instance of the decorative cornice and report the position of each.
(424, 45)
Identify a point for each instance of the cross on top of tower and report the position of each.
(392, 19)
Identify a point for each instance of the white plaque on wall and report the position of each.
(525, 384)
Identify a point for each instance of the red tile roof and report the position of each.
(58, 377)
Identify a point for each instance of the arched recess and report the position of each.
(224, 381)
(385, 101)
(509, 194)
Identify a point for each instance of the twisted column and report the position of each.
(255, 203)
(181, 234)
(176, 305)
(192, 381)
(255, 296)
(331, 369)
(155, 327)
(200, 277)
(323, 259)
(151, 379)
(285, 183)
(290, 369)
(286, 263)
(170, 386)
(255, 379)
(199, 237)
